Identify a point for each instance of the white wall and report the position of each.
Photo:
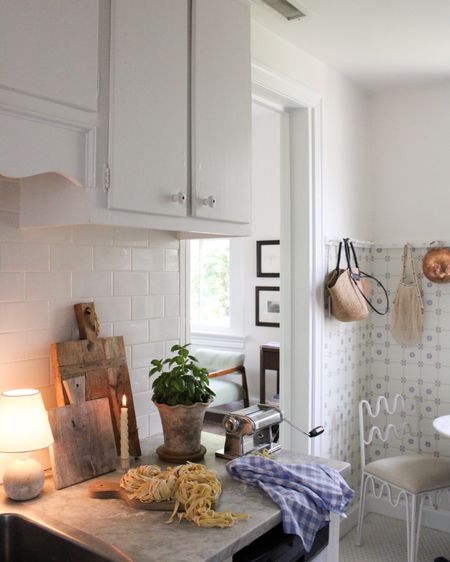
(346, 204)
(131, 274)
(410, 164)
(266, 174)
(346, 211)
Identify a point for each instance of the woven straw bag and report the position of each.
(350, 289)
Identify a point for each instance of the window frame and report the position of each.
(235, 331)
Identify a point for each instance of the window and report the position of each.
(214, 290)
(210, 284)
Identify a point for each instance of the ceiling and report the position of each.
(376, 43)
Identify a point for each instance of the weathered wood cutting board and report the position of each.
(102, 363)
(106, 489)
(84, 444)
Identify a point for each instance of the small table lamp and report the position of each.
(24, 428)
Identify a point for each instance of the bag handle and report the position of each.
(357, 276)
(349, 246)
(363, 274)
(338, 263)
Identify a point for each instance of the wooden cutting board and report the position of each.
(84, 444)
(102, 363)
(106, 489)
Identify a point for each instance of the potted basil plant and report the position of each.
(181, 393)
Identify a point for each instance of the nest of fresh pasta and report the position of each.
(192, 486)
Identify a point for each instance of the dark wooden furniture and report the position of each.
(276, 546)
(269, 361)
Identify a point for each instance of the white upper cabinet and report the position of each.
(49, 50)
(221, 110)
(49, 88)
(149, 106)
(145, 105)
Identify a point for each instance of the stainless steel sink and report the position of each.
(25, 540)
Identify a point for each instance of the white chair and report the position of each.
(413, 478)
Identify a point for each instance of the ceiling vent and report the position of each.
(285, 8)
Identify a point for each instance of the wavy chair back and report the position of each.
(369, 431)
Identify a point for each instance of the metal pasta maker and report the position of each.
(250, 429)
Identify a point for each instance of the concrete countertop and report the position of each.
(143, 536)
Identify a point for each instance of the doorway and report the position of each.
(301, 243)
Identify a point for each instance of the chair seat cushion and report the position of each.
(213, 360)
(226, 391)
(415, 473)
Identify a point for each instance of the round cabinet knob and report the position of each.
(209, 201)
(179, 198)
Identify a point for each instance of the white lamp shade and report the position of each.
(23, 421)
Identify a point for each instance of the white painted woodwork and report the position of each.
(221, 110)
(126, 103)
(49, 50)
(149, 106)
(31, 146)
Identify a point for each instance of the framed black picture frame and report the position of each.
(267, 306)
(268, 258)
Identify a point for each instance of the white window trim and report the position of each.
(221, 341)
(234, 334)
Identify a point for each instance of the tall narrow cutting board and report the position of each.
(84, 444)
(103, 364)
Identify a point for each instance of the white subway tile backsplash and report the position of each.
(21, 316)
(12, 286)
(113, 309)
(168, 347)
(167, 283)
(128, 354)
(148, 259)
(144, 353)
(162, 329)
(143, 426)
(71, 258)
(134, 331)
(147, 307)
(140, 381)
(112, 259)
(155, 425)
(19, 346)
(44, 272)
(172, 306)
(91, 284)
(62, 314)
(130, 283)
(142, 403)
(171, 260)
(34, 373)
(55, 285)
(24, 257)
(106, 330)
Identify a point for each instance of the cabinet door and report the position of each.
(221, 110)
(49, 50)
(149, 106)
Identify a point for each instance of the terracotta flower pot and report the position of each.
(182, 427)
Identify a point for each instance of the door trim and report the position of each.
(301, 236)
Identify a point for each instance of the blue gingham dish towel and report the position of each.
(305, 493)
